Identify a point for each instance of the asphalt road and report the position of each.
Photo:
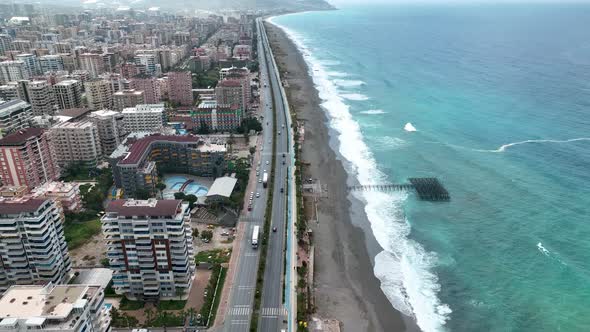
(272, 311)
(242, 292)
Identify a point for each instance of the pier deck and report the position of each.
(428, 189)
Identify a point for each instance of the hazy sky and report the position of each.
(337, 2)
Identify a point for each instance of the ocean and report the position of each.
(494, 100)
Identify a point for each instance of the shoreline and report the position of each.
(345, 287)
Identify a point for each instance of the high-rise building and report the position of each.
(5, 43)
(180, 87)
(99, 94)
(149, 61)
(40, 95)
(12, 71)
(147, 117)
(32, 246)
(30, 62)
(110, 129)
(76, 142)
(232, 92)
(44, 308)
(68, 94)
(127, 98)
(9, 91)
(149, 246)
(14, 116)
(27, 159)
(52, 62)
(149, 86)
(93, 63)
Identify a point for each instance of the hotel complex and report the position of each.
(149, 247)
(135, 163)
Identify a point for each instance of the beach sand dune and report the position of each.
(345, 286)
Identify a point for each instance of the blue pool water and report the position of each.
(176, 182)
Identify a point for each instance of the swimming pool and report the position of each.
(179, 183)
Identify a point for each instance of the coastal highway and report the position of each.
(273, 314)
(241, 296)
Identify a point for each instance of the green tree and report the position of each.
(191, 200)
(207, 235)
(252, 150)
(196, 232)
(203, 129)
(179, 195)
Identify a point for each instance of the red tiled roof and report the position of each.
(138, 148)
(15, 207)
(21, 136)
(167, 207)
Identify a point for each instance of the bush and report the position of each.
(127, 304)
(207, 235)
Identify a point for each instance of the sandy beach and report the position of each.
(345, 286)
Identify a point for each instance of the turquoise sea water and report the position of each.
(499, 96)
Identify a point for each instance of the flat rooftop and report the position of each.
(150, 207)
(49, 301)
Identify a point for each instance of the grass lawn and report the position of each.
(215, 256)
(172, 305)
(77, 233)
(127, 304)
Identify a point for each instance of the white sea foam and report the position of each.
(373, 112)
(542, 249)
(336, 74)
(504, 147)
(389, 143)
(403, 267)
(348, 83)
(354, 96)
(409, 127)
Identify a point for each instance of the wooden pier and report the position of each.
(428, 189)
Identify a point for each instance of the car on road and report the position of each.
(257, 173)
(282, 190)
(259, 180)
(274, 229)
(267, 162)
(284, 155)
(279, 132)
(249, 207)
(257, 195)
(283, 162)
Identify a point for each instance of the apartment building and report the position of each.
(218, 117)
(233, 92)
(127, 98)
(30, 63)
(14, 115)
(12, 71)
(40, 95)
(145, 117)
(51, 307)
(180, 87)
(32, 246)
(92, 63)
(135, 163)
(66, 193)
(51, 62)
(68, 94)
(111, 129)
(9, 91)
(76, 142)
(27, 159)
(99, 94)
(149, 247)
(149, 86)
(147, 62)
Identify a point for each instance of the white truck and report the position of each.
(255, 233)
(264, 179)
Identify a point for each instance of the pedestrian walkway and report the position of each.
(240, 310)
(274, 312)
